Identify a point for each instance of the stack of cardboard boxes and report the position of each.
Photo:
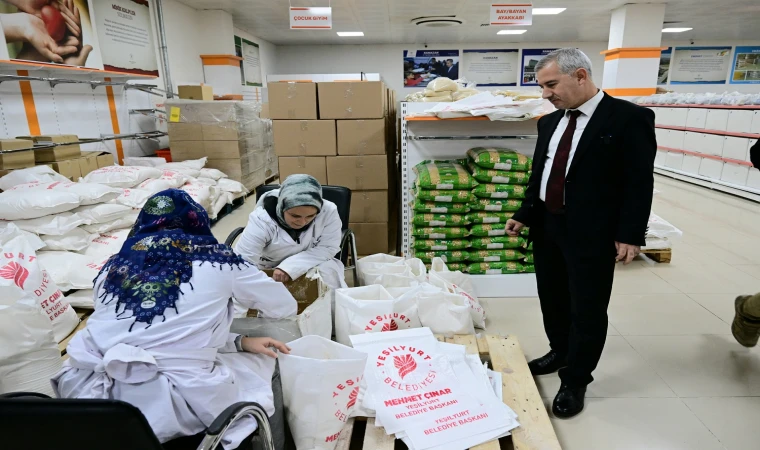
(230, 134)
(343, 134)
(65, 157)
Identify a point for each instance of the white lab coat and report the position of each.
(267, 245)
(181, 372)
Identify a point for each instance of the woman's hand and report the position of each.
(23, 27)
(280, 275)
(262, 346)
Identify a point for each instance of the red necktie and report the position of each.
(555, 188)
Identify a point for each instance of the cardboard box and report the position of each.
(310, 165)
(290, 100)
(369, 207)
(361, 137)
(16, 160)
(351, 100)
(87, 164)
(56, 138)
(105, 160)
(304, 137)
(358, 172)
(264, 114)
(59, 153)
(202, 92)
(222, 131)
(184, 132)
(184, 150)
(69, 168)
(371, 238)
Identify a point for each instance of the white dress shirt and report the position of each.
(587, 110)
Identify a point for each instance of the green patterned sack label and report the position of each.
(529, 258)
(495, 268)
(527, 246)
(488, 230)
(500, 159)
(497, 176)
(529, 268)
(454, 266)
(525, 232)
(440, 208)
(495, 205)
(455, 256)
(495, 255)
(489, 217)
(441, 244)
(444, 196)
(499, 191)
(443, 175)
(439, 232)
(440, 220)
(497, 243)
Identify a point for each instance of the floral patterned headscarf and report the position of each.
(171, 232)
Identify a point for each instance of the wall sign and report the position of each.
(423, 66)
(250, 66)
(700, 65)
(664, 70)
(531, 57)
(125, 36)
(511, 14)
(498, 67)
(308, 18)
(746, 69)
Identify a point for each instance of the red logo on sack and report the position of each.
(405, 365)
(352, 398)
(16, 272)
(392, 326)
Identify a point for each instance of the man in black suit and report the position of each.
(587, 205)
(451, 70)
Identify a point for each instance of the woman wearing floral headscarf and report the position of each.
(159, 336)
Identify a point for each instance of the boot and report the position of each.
(746, 325)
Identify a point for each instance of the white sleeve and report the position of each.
(326, 249)
(253, 289)
(256, 235)
(229, 346)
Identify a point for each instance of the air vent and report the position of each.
(437, 21)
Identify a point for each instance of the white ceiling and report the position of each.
(389, 21)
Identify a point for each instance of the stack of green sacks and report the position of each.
(439, 225)
(528, 260)
(504, 175)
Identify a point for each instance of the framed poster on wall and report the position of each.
(664, 72)
(423, 66)
(125, 36)
(491, 67)
(250, 66)
(700, 65)
(531, 57)
(746, 67)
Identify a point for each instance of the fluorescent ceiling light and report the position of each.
(511, 31)
(350, 33)
(675, 30)
(547, 11)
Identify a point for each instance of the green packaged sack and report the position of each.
(497, 176)
(440, 220)
(455, 256)
(441, 244)
(495, 268)
(525, 232)
(527, 246)
(454, 266)
(499, 191)
(439, 232)
(495, 204)
(489, 217)
(529, 258)
(529, 268)
(440, 208)
(497, 242)
(500, 159)
(444, 196)
(491, 229)
(443, 175)
(495, 255)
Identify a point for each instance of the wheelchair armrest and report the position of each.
(234, 235)
(23, 395)
(217, 426)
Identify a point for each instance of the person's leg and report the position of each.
(746, 324)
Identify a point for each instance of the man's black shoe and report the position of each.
(549, 363)
(568, 402)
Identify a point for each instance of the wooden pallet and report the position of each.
(519, 393)
(660, 256)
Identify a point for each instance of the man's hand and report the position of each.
(513, 227)
(280, 275)
(262, 346)
(626, 252)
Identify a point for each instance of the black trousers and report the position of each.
(574, 281)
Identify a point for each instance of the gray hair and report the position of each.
(568, 61)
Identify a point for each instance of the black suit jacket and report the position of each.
(608, 189)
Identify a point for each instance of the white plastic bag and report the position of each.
(24, 278)
(460, 284)
(102, 213)
(445, 313)
(55, 225)
(316, 319)
(107, 244)
(122, 223)
(371, 267)
(40, 174)
(29, 204)
(84, 298)
(320, 385)
(121, 176)
(75, 240)
(371, 309)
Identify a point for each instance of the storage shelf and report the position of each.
(413, 119)
(58, 69)
(705, 155)
(702, 130)
(702, 106)
(710, 183)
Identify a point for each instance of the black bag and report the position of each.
(754, 154)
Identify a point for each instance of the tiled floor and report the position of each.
(671, 376)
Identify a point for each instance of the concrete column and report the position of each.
(632, 60)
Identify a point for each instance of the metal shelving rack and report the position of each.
(430, 138)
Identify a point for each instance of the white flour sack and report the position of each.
(75, 240)
(102, 213)
(40, 174)
(31, 204)
(122, 223)
(320, 385)
(169, 180)
(232, 186)
(107, 244)
(194, 164)
(460, 284)
(202, 194)
(89, 193)
(72, 270)
(56, 224)
(135, 198)
(121, 176)
(445, 313)
(214, 174)
(23, 277)
(145, 161)
(371, 309)
(84, 298)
